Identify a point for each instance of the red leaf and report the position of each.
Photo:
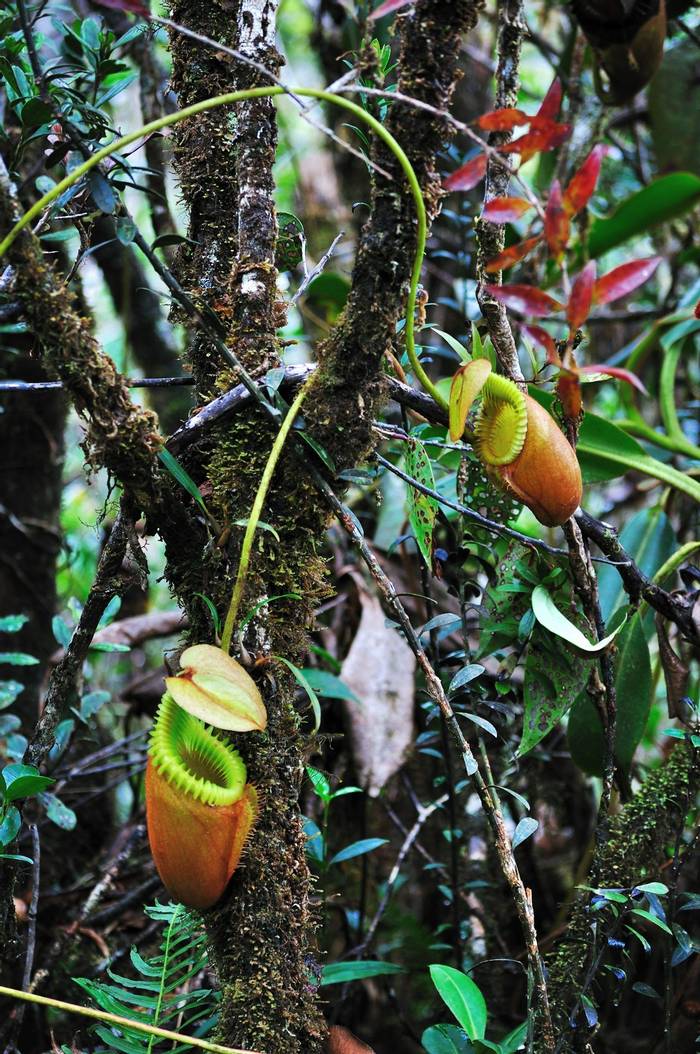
(135, 6)
(505, 210)
(551, 103)
(619, 373)
(545, 137)
(388, 8)
(468, 175)
(545, 340)
(502, 261)
(503, 120)
(623, 279)
(697, 310)
(583, 182)
(581, 297)
(556, 222)
(524, 298)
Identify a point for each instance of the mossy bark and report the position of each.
(634, 851)
(263, 933)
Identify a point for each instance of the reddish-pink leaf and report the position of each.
(503, 120)
(545, 340)
(388, 8)
(619, 373)
(505, 210)
(697, 310)
(136, 7)
(503, 260)
(545, 137)
(556, 222)
(468, 175)
(551, 103)
(527, 299)
(583, 182)
(581, 297)
(623, 279)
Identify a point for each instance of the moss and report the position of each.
(635, 849)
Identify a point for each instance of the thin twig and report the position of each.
(308, 279)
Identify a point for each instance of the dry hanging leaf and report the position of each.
(379, 669)
(341, 1041)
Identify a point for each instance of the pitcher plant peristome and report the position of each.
(518, 442)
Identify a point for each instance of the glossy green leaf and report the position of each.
(13, 623)
(301, 680)
(9, 690)
(9, 828)
(525, 829)
(17, 658)
(22, 780)
(549, 616)
(446, 1039)
(339, 973)
(328, 685)
(463, 997)
(633, 688)
(365, 845)
(660, 201)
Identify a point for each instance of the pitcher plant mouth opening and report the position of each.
(520, 445)
(199, 807)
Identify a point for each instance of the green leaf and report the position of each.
(339, 973)
(660, 201)
(525, 829)
(58, 812)
(633, 688)
(91, 703)
(209, 605)
(9, 690)
(109, 646)
(515, 1039)
(554, 674)
(13, 623)
(463, 997)
(650, 540)
(446, 1039)
(454, 344)
(290, 241)
(179, 473)
(549, 616)
(319, 782)
(9, 828)
(262, 604)
(61, 631)
(259, 525)
(643, 914)
(464, 676)
(18, 658)
(652, 887)
(365, 845)
(328, 685)
(422, 509)
(22, 780)
(303, 683)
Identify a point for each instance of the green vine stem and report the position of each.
(122, 1022)
(259, 93)
(254, 517)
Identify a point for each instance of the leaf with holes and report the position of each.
(422, 509)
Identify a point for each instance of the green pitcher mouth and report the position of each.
(501, 424)
(192, 758)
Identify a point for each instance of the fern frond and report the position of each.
(158, 994)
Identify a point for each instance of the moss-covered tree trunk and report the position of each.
(263, 933)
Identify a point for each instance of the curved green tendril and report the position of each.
(258, 93)
(190, 757)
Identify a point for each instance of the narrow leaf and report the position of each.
(547, 136)
(549, 616)
(618, 372)
(503, 120)
(505, 210)
(388, 8)
(551, 104)
(512, 255)
(623, 279)
(581, 296)
(338, 973)
(366, 845)
(524, 298)
(556, 222)
(467, 177)
(583, 182)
